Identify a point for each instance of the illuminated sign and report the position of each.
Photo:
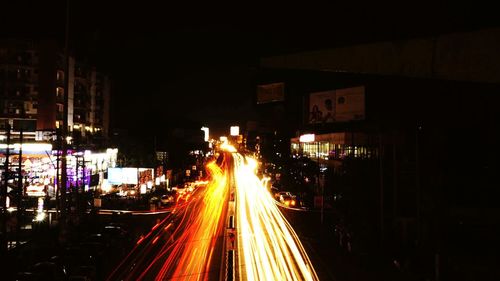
(307, 138)
(206, 133)
(122, 176)
(235, 130)
(129, 175)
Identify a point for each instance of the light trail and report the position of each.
(268, 247)
(190, 256)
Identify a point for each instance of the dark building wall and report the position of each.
(438, 163)
(48, 57)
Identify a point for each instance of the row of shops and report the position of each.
(41, 167)
(334, 146)
(87, 171)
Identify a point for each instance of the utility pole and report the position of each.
(6, 175)
(64, 175)
(57, 182)
(20, 187)
(417, 180)
(381, 179)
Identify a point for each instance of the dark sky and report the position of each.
(171, 62)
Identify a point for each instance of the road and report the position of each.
(187, 243)
(195, 240)
(268, 247)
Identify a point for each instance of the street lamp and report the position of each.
(309, 138)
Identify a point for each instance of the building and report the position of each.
(32, 90)
(396, 151)
(32, 87)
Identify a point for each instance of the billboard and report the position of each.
(115, 175)
(340, 105)
(350, 104)
(145, 175)
(234, 130)
(270, 93)
(129, 175)
(122, 175)
(322, 107)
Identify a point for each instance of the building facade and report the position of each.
(32, 87)
(32, 95)
(398, 169)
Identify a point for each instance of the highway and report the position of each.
(229, 229)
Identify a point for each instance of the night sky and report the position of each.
(172, 63)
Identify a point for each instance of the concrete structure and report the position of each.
(407, 169)
(465, 56)
(32, 87)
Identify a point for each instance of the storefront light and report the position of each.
(307, 138)
(35, 147)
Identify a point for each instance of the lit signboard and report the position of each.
(114, 175)
(122, 176)
(235, 130)
(129, 175)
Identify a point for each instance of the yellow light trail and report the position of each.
(268, 247)
(190, 256)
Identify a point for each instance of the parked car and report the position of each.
(49, 271)
(167, 199)
(287, 198)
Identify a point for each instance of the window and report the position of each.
(60, 76)
(59, 92)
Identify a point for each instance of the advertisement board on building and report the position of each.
(129, 175)
(122, 176)
(45, 135)
(115, 175)
(145, 175)
(322, 107)
(350, 104)
(270, 93)
(341, 105)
